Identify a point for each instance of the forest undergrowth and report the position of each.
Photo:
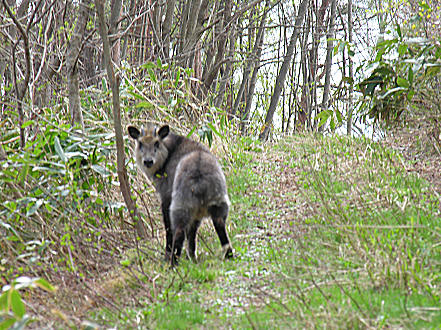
(327, 231)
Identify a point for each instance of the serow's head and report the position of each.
(150, 151)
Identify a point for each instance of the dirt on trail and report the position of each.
(420, 145)
(77, 296)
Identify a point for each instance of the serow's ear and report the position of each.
(163, 131)
(134, 133)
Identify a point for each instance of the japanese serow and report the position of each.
(191, 185)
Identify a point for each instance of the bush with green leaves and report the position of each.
(60, 205)
(12, 307)
(402, 67)
(56, 189)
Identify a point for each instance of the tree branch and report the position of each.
(21, 91)
(120, 156)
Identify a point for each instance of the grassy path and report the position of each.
(328, 232)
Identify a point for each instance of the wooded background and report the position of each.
(264, 63)
(271, 86)
(220, 68)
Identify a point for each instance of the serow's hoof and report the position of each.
(167, 256)
(174, 262)
(228, 252)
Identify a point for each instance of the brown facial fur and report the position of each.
(151, 154)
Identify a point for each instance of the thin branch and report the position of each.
(114, 82)
(20, 91)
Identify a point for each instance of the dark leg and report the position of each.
(168, 232)
(219, 216)
(178, 241)
(191, 237)
(179, 218)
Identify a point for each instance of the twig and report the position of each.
(121, 170)
(21, 91)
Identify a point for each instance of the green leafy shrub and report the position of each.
(12, 307)
(54, 191)
(402, 67)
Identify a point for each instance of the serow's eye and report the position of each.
(140, 146)
(156, 145)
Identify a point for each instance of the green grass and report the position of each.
(332, 307)
(178, 315)
(328, 232)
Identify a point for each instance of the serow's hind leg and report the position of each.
(178, 241)
(168, 231)
(179, 221)
(191, 238)
(219, 215)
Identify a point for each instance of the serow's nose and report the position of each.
(148, 163)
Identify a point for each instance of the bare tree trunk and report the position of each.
(283, 71)
(252, 61)
(21, 11)
(144, 40)
(189, 31)
(115, 40)
(20, 90)
(182, 28)
(41, 89)
(127, 37)
(318, 29)
(122, 174)
(351, 71)
(155, 15)
(305, 111)
(328, 63)
(226, 74)
(5, 65)
(215, 58)
(72, 57)
(252, 85)
(222, 40)
(292, 102)
(251, 89)
(167, 26)
(209, 56)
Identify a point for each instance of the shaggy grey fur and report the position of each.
(191, 185)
